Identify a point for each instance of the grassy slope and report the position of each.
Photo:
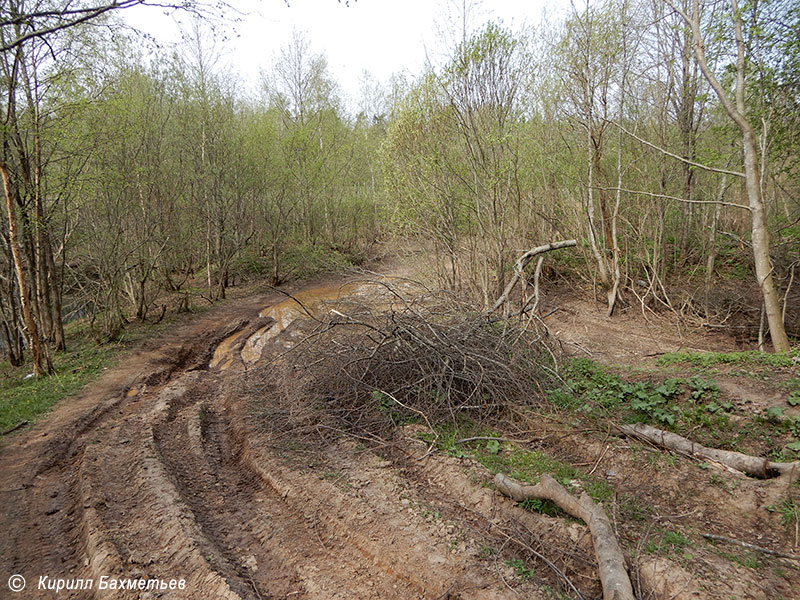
(84, 361)
(24, 399)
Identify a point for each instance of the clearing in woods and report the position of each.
(172, 466)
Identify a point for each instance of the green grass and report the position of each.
(523, 465)
(709, 359)
(84, 360)
(751, 561)
(789, 510)
(29, 399)
(669, 542)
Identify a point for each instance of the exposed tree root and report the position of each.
(611, 564)
(756, 466)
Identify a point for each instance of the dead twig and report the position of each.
(722, 538)
(559, 573)
(368, 367)
(19, 425)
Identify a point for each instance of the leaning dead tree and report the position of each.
(756, 466)
(520, 265)
(610, 562)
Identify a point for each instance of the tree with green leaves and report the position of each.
(736, 106)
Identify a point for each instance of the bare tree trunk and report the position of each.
(686, 124)
(41, 362)
(54, 284)
(761, 245)
(712, 242)
(595, 246)
(736, 110)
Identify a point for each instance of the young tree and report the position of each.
(594, 70)
(736, 107)
(483, 86)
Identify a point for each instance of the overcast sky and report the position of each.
(380, 36)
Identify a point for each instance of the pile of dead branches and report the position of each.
(413, 356)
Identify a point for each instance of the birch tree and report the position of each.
(735, 105)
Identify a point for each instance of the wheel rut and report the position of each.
(159, 470)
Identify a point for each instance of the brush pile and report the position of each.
(411, 354)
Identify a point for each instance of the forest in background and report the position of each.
(663, 135)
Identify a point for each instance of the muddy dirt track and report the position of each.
(155, 472)
(161, 470)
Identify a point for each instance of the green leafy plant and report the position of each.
(522, 570)
(789, 510)
(701, 388)
(543, 507)
(774, 413)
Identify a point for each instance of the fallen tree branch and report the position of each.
(481, 438)
(756, 466)
(19, 425)
(722, 538)
(610, 562)
(520, 265)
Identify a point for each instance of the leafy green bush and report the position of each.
(308, 260)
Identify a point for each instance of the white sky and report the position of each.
(380, 36)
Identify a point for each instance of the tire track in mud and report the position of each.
(156, 472)
(262, 540)
(51, 508)
(161, 469)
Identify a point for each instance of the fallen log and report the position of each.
(763, 468)
(520, 265)
(611, 564)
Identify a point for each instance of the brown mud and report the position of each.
(163, 469)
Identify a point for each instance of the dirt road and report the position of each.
(157, 473)
(163, 477)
